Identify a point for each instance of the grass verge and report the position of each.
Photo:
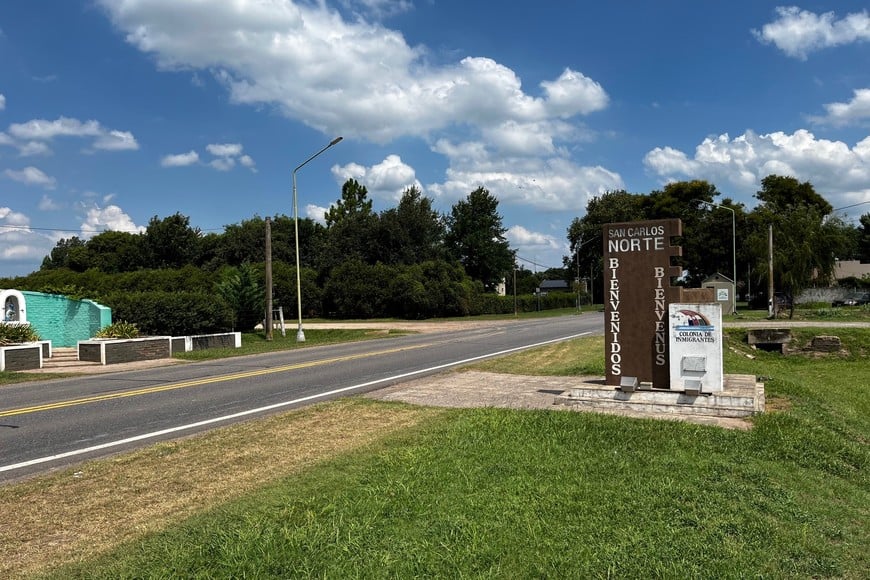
(499, 493)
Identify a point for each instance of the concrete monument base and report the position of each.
(741, 397)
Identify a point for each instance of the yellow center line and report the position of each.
(198, 382)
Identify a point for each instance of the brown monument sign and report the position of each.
(637, 291)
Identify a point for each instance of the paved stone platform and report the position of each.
(479, 389)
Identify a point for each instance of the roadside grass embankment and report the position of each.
(482, 492)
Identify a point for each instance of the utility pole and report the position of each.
(771, 299)
(268, 323)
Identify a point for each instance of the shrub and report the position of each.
(119, 330)
(172, 313)
(17, 333)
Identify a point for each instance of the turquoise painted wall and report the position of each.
(64, 321)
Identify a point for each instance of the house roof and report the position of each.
(718, 277)
(553, 284)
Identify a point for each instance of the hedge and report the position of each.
(171, 313)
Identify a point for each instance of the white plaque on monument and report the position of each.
(696, 347)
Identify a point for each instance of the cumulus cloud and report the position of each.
(224, 149)
(33, 148)
(42, 131)
(378, 9)
(48, 204)
(20, 245)
(529, 242)
(111, 217)
(316, 213)
(116, 141)
(223, 163)
(835, 169)
(855, 111)
(354, 78)
(386, 180)
(799, 32)
(2, 101)
(180, 160)
(227, 155)
(552, 184)
(31, 176)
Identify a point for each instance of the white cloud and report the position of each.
(31, 176)
(48, 204)
(224, 149)
(2, 102)
(116, 141)
(855, 111)
(246, 161)
(19, 245)
(223, 163)
(316, 213)
(378, 9)
(552, 184)
(180, 160)
(103, 138)
(386, 180)
(837, 171)
(32, 148)
(353, 78)
(111, 217)
(529, 241)
(799, 32)
(227, 154)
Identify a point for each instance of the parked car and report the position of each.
(783, 300)
(855, 299)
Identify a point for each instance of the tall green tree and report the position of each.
(806, 240)
(412, 232)
(351, 228)
(242, 289)
(584, 234)
(475, 237)
(864, 239)
(67, 253)
(113, 252)
(171, 242)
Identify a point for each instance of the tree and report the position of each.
(864, 239)
(114, 252)
(351, 228)
(171, 242)
(805, 241)
(412, 232)
(584, 234)
(475, 237)
(242, 290)
(67, 253)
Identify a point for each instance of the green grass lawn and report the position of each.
(518, 494)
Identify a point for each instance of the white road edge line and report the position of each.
(155, 434)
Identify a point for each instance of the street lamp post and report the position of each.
(300, 336)
(733, 252)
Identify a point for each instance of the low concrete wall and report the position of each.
(204, 341)
(113, 351)
(22, 357)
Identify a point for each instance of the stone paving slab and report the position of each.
(480, 389)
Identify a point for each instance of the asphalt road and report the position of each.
(51, 424)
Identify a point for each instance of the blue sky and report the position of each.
(114, 111)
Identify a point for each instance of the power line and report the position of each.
(534, 263)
